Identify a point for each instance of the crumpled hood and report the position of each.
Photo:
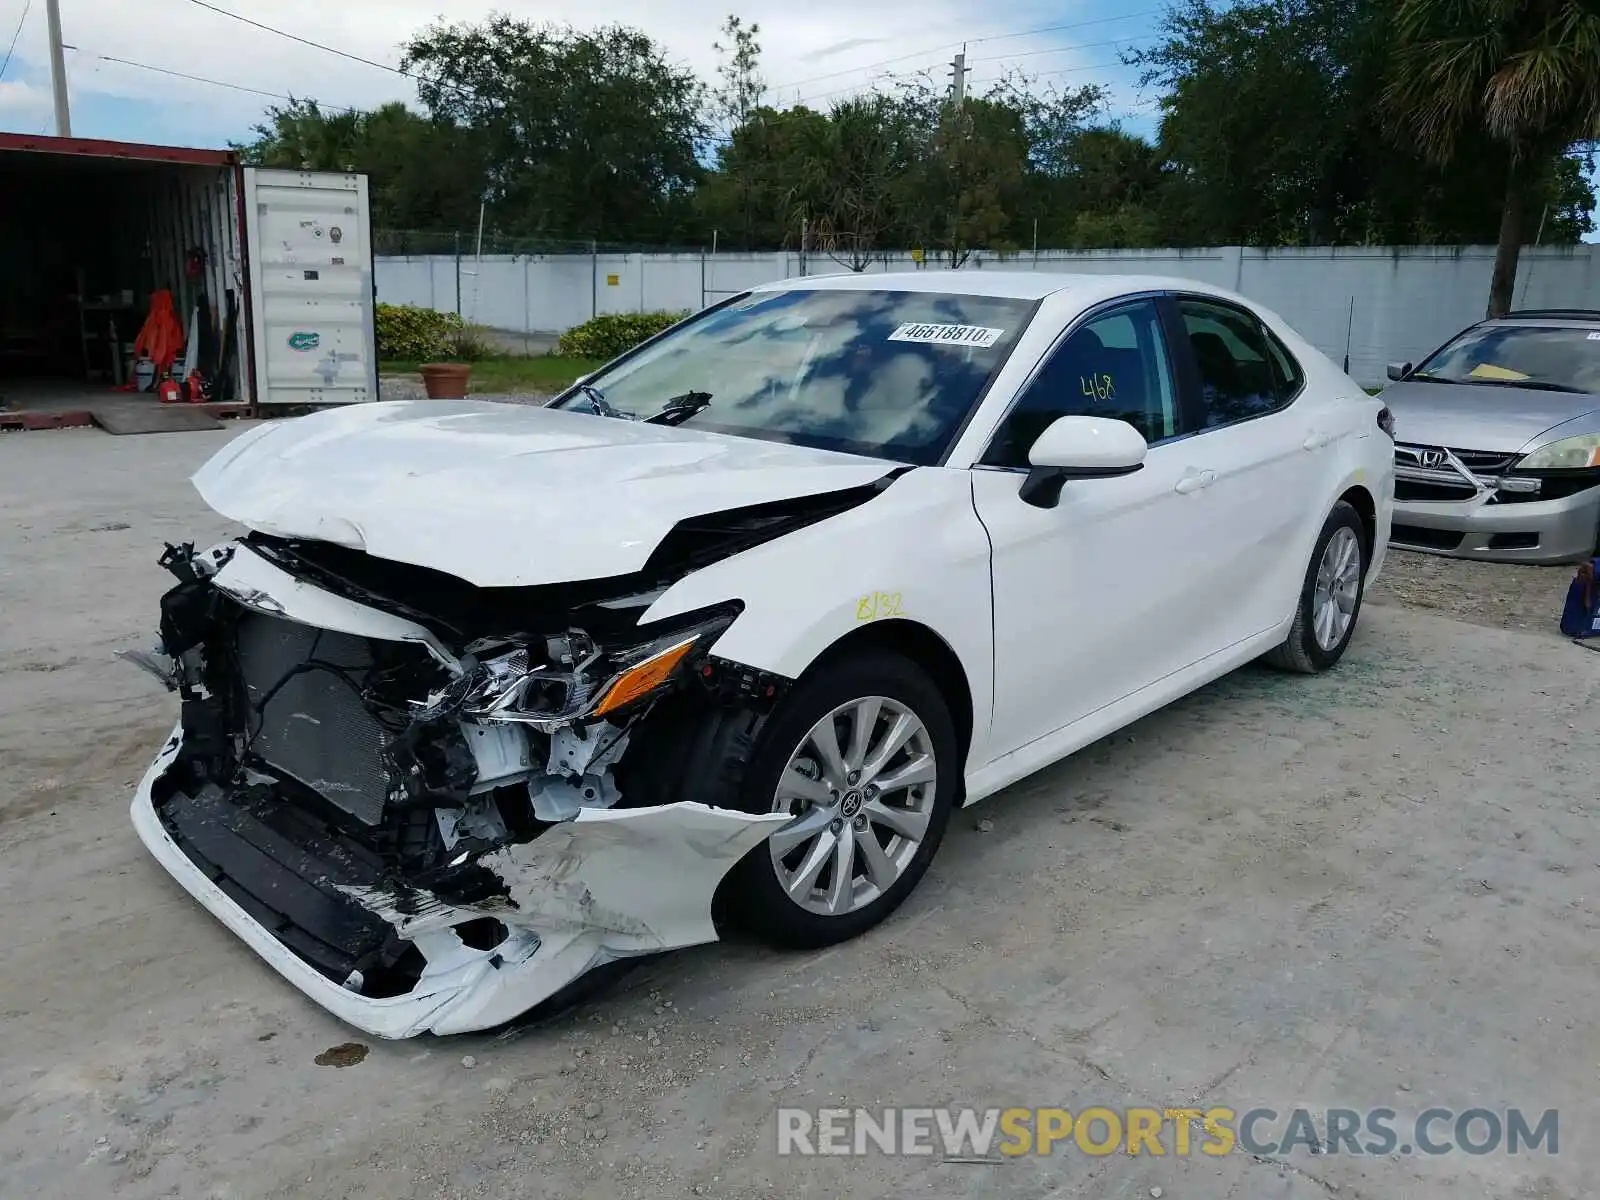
(502, 495)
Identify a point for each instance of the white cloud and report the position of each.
(22, 104)
(817, 50)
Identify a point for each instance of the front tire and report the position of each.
(864, 755)
(1330, 597)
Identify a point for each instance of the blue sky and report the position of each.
(814, 52)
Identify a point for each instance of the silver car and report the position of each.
(1497, 441)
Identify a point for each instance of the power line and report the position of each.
(295, 37)
(887, 62)
(237, 87)
(1110, 66)
(1001, 37)
(1063, 49)
(994, 37)
(724, 139)
(850, 89)
(27, 4)
(872, 84)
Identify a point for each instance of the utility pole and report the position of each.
(58, 68)
(958, 111)
(958, 76)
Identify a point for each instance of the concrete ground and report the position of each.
(1379, 887)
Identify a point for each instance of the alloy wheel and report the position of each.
(860, 786)
(1337, 589)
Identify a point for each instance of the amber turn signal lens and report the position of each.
(639, 681)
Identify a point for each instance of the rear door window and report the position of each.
(1242, 373)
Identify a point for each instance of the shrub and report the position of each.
(407, 333)
(471, 343)
(610, 334)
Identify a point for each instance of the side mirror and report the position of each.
(1080, 448)
(1399, 370)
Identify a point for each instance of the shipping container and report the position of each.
(270, 275)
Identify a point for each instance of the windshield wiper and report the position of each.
(679, 409)
(1540, 385)
(599, 405)
(1532, 385)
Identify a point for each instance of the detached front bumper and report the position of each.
(1532, 531)
(610, 884)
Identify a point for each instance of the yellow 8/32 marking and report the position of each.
(877, 605)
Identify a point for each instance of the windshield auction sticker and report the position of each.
(948, 335)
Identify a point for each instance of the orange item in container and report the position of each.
(161, 337)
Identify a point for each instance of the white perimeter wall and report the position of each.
(1391, 302)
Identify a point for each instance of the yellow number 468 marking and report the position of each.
(1098, 387)
(877, 605)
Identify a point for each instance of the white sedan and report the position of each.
(490, 695)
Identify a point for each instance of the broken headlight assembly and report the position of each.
(572, 679)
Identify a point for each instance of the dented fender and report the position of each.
(806, 591)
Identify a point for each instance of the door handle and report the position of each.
(1316, 441)
(1194, 481)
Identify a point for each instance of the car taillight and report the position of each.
(1386, 421)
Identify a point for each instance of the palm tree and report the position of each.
(1526, 72)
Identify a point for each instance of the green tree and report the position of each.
(1524, 72)
(966, 180)
(1108, 192)
(873, 145)
(1055, 123)
(1262, 114)
(1273, 132)
(423, 173)
(741, 87)
(772, 173)
(586, 135)
(300, 136)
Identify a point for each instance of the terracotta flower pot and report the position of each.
(446, 381)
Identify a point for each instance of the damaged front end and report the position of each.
(433, 806)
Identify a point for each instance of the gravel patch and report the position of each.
(1495, 595)
(409, 387)
(1372, 888)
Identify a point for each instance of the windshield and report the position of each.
(1537, 356)
(890, 374)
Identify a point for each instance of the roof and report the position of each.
(1012, 285)
(128, 151)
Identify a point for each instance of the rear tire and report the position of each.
(1330, 597)
(863, 821)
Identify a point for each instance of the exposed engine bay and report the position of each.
(378, 786)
